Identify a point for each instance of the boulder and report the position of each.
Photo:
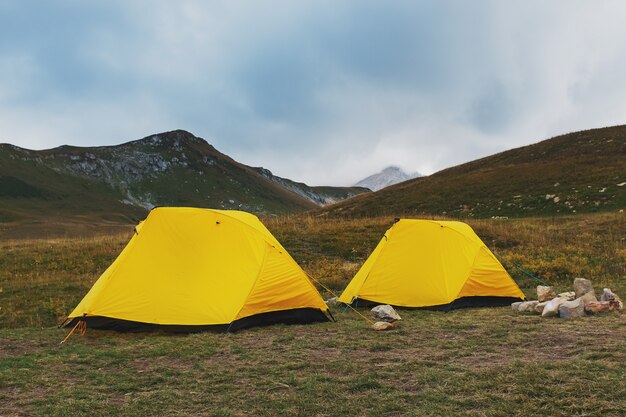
(568, 296)
(602, 306)
(582, 286)
(385, 312)
(383, 325)
(608, 295)
(527, 306)
(545, 293)
(572, 309)
(540, 306)
(515, 306)
(590, 297)
(551, 309)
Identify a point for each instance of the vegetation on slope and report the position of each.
(173, 168)
(575, 173)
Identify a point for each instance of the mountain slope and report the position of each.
(577, 172)
(124, 181)
(388, 176)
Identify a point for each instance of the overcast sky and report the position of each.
(325, 92)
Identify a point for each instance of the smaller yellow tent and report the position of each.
(435, 264)
(188, 269)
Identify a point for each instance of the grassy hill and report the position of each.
(123, 182)
(573, 173)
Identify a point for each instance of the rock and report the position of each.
(527, 306)
(540, 306)
(582, 286)
(608, 295)
(590, 297)
(383, 325)
(572, 309)
(332, 301)
(545, 293)
(551, 309)
(568, 296)
(602, 306)
(515, 306)
(385, 312)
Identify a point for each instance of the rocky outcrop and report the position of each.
(566, 305)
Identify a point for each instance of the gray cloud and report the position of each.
(323, 91)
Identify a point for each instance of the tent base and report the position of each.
(293, 316)
(463, 302)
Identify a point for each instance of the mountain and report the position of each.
(388, 176)
(573, 173)
(123, 182)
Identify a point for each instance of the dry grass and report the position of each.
(476, 362)
(41, 280)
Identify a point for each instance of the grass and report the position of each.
(485, 362)
(477, 362)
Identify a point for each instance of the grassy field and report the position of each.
(478, 362)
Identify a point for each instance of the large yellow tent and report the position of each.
(436, 264)
(191, 269)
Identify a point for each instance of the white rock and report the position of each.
(582, 286)
(568, 296)
(545, 293)
(551, 309)
(515, 306)
(385, 312)
(608, 295)
(572, 309)
(527, 306)
(590, 297)
(540, 306)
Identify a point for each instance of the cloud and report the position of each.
(319, 91)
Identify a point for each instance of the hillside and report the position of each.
(573, 173)
(123, 182)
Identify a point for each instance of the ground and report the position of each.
(475, 362)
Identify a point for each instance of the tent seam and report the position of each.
(253, 284)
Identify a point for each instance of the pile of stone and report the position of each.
(387, 317)
(570, 304)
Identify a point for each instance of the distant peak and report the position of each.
(388, 176)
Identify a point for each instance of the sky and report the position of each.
(325, 92)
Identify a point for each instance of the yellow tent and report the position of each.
(189, 269)
(437, 264)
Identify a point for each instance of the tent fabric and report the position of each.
(425, 263)
(199, 267)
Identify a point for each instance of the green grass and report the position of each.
(475, 362)
(484, 362)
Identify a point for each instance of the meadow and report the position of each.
(475, 362)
